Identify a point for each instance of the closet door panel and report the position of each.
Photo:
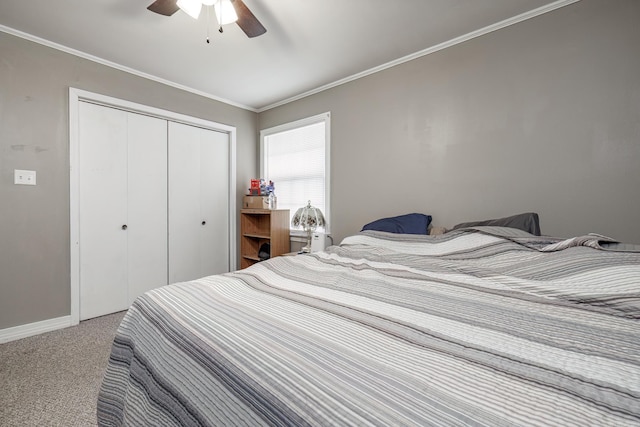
(214, 196)
(185, 220)
(103, 210)
(198, 202)
(147, 204)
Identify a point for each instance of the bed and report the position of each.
(479, 326)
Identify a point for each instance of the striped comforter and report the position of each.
(475, 327)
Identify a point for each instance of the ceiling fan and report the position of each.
(227, 11)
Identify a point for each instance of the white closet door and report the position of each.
(123, 207)
(214, 207)
(103, 210)
(198, 202)
(147, 204)
(184, 202)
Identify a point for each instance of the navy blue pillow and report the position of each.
(413, 223)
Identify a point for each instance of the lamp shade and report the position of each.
(308, 217)
(225, 12)
(191, 7)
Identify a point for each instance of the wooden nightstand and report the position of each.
(258, 226)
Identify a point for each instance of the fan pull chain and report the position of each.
(208, 21)
(220, 29)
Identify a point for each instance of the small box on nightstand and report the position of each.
(255, 202)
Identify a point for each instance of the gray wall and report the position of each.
(34, 135)
(541, 116)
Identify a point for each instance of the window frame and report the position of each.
(318, 118)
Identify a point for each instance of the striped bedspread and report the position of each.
(483, 326)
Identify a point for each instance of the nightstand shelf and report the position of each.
(257, 236)
(258, 226)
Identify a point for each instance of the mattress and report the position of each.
(480, 326)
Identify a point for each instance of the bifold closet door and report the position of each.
(198, 202)
(122, 207)
(147, 202)
(103, 210)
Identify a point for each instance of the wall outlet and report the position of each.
(22, 177)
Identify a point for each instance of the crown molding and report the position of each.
(120, 67)
(461, 39)
(482, 31)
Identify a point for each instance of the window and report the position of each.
(295, 156)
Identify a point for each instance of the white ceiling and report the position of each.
(309, 44)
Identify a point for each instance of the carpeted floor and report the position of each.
(53, 379)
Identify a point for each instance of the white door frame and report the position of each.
(78, 95)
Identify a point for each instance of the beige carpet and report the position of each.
(53, 379)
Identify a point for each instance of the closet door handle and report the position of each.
(124, 227)
(204, 222)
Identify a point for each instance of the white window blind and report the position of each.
(295, 157)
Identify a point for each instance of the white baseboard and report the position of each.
(30, 329)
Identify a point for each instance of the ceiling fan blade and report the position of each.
(164, 7)
(247, 20)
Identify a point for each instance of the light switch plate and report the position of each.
(23, 177)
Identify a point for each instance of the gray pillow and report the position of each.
(525, 221)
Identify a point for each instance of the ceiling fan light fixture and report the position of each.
(225, 12)
(190, 7)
